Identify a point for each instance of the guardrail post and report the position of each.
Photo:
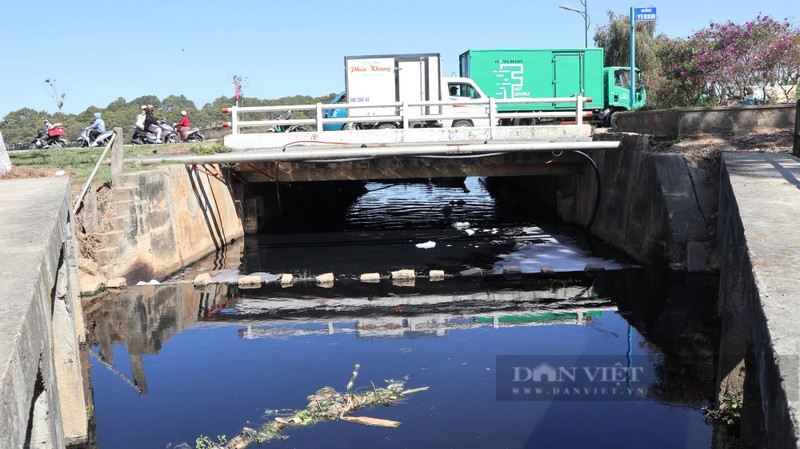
(116, 153)
(235, 120)
(796, 147)
(319, 117)
(404, 113)
(492, 112)
(579, 109)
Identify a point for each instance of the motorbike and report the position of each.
(101, 140)
(52, 138)
(193, 135)
(286, 129)
(145, 137)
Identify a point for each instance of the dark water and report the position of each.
(171, 363)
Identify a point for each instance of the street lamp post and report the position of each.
(586, 20)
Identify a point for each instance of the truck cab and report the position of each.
(617, 90)
(337, 113)
(465, 91)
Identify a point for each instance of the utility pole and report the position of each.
(586, 20)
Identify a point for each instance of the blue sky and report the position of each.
(98, 51)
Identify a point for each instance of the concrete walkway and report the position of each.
(760, 274)
(40, 379)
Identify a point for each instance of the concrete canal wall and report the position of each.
(759, 244)
(157, 222)
(161, 220)
(666, 210)
(657, 208)
(41, 321)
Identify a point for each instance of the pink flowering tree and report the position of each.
(719, 63)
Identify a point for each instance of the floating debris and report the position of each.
(327, 404)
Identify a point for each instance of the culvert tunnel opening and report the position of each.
(450, 224)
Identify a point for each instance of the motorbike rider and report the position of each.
(47, 126)
(140, 118)
(151, 123)
(96, 128)
(182, 127)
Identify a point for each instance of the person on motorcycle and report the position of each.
(96, 128)
(47, 126)
(182, 127)
(151, 123)
(140, 118)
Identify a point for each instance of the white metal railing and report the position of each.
(490, 112)
(79, 201)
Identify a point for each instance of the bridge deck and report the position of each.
(403, 154)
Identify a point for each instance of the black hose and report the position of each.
(597, 195)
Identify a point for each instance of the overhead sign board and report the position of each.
(644, 14)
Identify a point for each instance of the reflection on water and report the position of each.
(171, 362)
(213, 361)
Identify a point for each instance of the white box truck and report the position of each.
(382, 79)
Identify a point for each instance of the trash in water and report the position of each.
(326, 404)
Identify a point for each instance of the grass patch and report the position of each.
(205, 149)
(80, 162)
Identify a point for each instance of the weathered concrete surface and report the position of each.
(648, 208)
(720, 119)
(40, 317)
(165, 219)
(759, 242)
(253, 141)
(405, 168)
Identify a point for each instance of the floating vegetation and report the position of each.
(326, 404)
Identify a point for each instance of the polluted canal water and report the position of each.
(547, 355)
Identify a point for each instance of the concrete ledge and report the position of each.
(760, 267)
(40, 317)
(718, 120)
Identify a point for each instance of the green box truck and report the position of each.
(552, 73)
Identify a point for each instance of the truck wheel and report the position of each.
(611, 120)
(387, 126)
(349, 127)
(524, 122)
(462, 124)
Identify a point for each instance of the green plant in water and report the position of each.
(729, 411)
(204, 442)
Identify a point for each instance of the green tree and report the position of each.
(670, 85)
(20, 127)
(117, 104)
(174, 104)
(615, 39)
